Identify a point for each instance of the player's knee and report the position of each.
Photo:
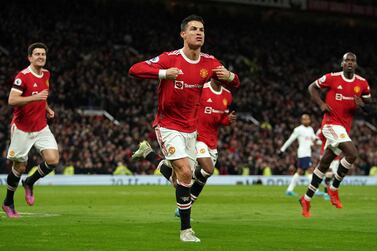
(184, 174)
(52, 160)
(351, 157)
(20, 167)
(324, 165)
(51, 156)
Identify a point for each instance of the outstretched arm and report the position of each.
(290, 140)
(155, 68)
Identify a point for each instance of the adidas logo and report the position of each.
(209, 100)
(35, 85)
(339, 87)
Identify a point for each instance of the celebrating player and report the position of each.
(182, 74)
(213, 113)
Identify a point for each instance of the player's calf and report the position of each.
(12, 184)
(200, 176)
(342, 171)
(184, 203)
(43, 170)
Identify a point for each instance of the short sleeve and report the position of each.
(19, 83)
(366, 91)
(324, 82)
(162, 61)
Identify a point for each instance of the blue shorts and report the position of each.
(304, 163)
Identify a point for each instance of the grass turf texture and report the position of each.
(225, 218)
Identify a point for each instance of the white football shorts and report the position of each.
(335, 134)
(21, 143)
(177, 145)
(202, 151)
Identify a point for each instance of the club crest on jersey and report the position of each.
(356, 89)
(18, 81)
(342, 136)
(11, 153)
(203, 73)
(225, 102)
(171, 150)
(202, 150)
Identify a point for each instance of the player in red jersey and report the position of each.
(182, 74)
(29, 126)
(346, 91)
(213, 113)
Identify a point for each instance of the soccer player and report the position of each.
(182, 74)
(213, 113)
(29, 128)
(346, 91)
(305, 136)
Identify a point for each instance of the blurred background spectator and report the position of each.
(277, 54)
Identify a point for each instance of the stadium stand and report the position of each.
(276, 53)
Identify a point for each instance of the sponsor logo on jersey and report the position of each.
(356, 89)
(209, 100)
(210, 110)
(203, 73)
(202, 150)
(339, 96)
(18, 81)
(171, 150)
(180, 85)
(339, 87)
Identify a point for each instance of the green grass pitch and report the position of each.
(224, 217)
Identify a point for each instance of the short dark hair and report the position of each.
(189, 19)
(33, 46)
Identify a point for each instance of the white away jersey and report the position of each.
(305, 136)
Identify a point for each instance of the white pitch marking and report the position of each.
(36, 214)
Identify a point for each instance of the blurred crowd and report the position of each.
(276, 54)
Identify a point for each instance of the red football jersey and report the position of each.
(213, 112)
(32, 116)
(178, 100)
(340, 97)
